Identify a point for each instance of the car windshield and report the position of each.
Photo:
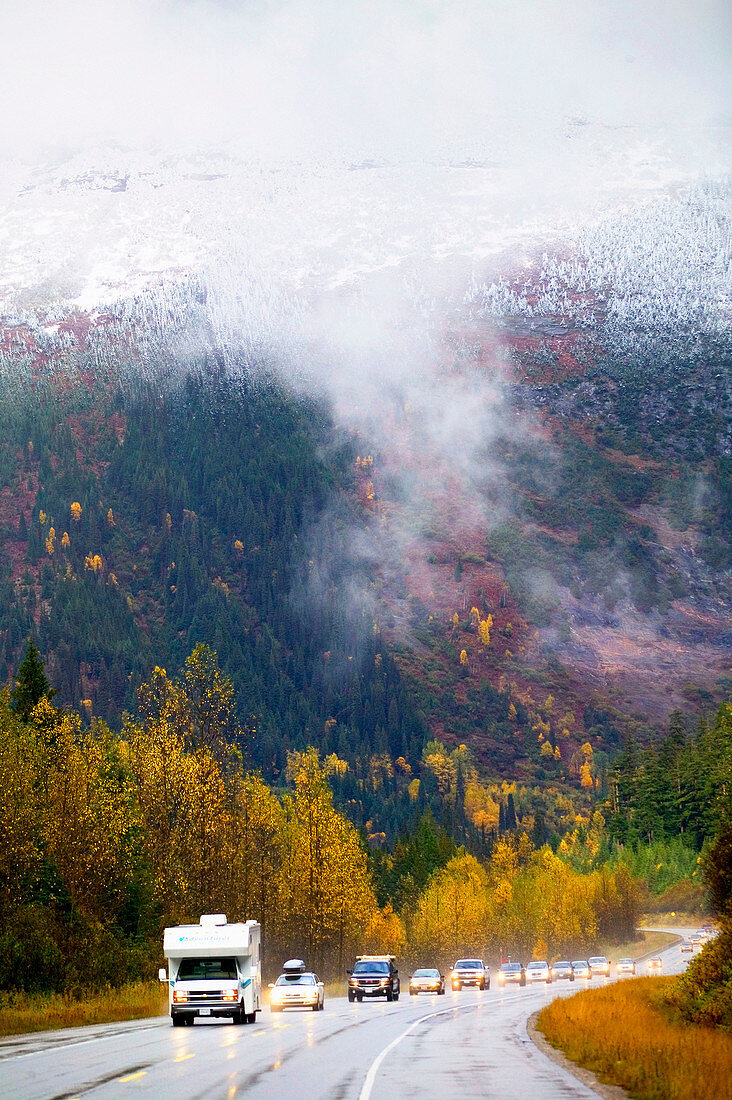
(598, 960)
(206, 968)
(510, 968)
(624, 962)
(371, 968)
(561, 965)
(579, 963)
(468, 964)
(538, 966)
(296, 979)
(426, 973)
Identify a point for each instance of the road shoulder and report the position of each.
(586, 1076)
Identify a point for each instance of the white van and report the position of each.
(214, 969)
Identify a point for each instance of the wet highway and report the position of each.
(466, 1044)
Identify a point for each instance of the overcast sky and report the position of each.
(421, 78)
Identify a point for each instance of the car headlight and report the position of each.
(229, 995)
(179, 996)
(353, 981)
(384, 981)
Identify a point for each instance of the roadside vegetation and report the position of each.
(668, 1037)
(627, 1035)
(21, 1013)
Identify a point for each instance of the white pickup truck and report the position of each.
(214, 969)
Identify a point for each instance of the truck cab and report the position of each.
(214, 969)
(373, 976)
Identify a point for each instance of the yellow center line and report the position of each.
(183, 1057)
(255, 1033)
(132, 1076)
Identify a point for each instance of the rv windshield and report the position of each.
(206, 968)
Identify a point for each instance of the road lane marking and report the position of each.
(132, 1076)
(368, 1084)
(255, 1033)
(183, 1057)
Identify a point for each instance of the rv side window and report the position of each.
(206, 968)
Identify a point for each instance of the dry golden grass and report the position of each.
(627, 1036)
(21, 1013)
(646, 941)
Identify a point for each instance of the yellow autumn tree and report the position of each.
(438, 760)
(451, 914)
(187, 809)
(75, 510)
(385, 934)
(90, 819)
(23, 809)
(260, 838)
(327, 897)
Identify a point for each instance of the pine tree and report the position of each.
(31, 684)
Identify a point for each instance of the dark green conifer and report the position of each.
(31, 684)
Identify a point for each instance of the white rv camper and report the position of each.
(214, 969)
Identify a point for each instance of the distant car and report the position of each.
(470, 972)
(696, 940)
(625, 966)
(511, 973)
(656, 963)
(297, 988)
(562, 970)
(599, 965)
(687, 945)
(581, 968)
(538, 972)
(428, 980)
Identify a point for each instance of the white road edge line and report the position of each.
(368, 1084)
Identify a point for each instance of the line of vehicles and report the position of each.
(214, 970)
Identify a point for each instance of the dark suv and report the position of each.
(373, 976)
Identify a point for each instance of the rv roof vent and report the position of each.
(213, 919)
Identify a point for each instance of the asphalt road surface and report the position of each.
(467, 1044)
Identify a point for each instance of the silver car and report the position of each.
(600, 965)
(297, 991)
(562, 970)
(538, 972)
(581, 968)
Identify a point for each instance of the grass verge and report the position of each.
(645, 942)
(627, 1035)
(21, 1013)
